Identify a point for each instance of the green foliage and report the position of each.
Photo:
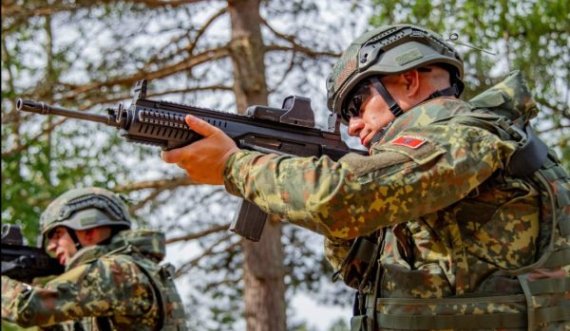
(6, 326)
(339, 325)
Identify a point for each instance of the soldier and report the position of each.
(113, 279)
(458, 219)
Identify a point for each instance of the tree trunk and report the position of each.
(264, 288)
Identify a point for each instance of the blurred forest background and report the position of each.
(226, 55)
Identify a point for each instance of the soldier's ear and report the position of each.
(87, 237)
(411, 80)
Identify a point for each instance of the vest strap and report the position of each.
(471, 321)
(361, 323)
(553, 314)
(360, 258)
(558, 258)
(543, 314)
(366, 250)
(156, 290)
(564, 225)
(549, 286)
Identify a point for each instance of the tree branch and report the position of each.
(15, 10)
(301, 49)
(295, 46)
(200, 234)
(207, 252)
(165, 3)
(554, 128)
(190, 48)
(186, 64)
(155, 184)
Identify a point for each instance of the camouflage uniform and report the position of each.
(118, 285)
(438, 210)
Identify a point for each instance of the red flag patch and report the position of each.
(409, 141)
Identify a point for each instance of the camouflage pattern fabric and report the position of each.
(100, 281)
(438, 186)
(415, 187)
(456, 218)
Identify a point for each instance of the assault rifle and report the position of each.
(24, 263)
(287, 130)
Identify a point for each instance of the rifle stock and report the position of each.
(288, 130)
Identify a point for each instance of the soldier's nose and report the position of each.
(355, 125)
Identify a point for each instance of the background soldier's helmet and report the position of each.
(389, 50)
(85, 208)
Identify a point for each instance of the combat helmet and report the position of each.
(389, 50)
(85, 208)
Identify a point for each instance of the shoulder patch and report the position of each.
(408, 141)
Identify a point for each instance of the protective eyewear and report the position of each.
(355, 99)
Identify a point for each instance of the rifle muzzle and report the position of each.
(32, 106)
(45, 109)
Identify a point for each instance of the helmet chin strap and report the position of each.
(454, 90)
(447, 92)
(392, 104)
(75, 239)
(376, 138)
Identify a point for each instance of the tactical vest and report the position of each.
(171, 313)
(161, 276)
(542, 303)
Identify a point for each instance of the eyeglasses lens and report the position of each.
(355, 100)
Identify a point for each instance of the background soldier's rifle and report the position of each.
(24, 263)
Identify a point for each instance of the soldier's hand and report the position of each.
(203, 160)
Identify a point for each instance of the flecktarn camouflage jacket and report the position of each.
(119, 286)
(440, 209)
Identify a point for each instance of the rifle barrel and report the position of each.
(45, 109)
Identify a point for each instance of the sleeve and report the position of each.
(336, 250)
(108, 286)
(418, 172)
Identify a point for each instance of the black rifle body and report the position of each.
(288, 130)
(24, 263)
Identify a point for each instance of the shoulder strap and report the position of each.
(126, 251)
(156, 291)
(530, 159)
(531, 152)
